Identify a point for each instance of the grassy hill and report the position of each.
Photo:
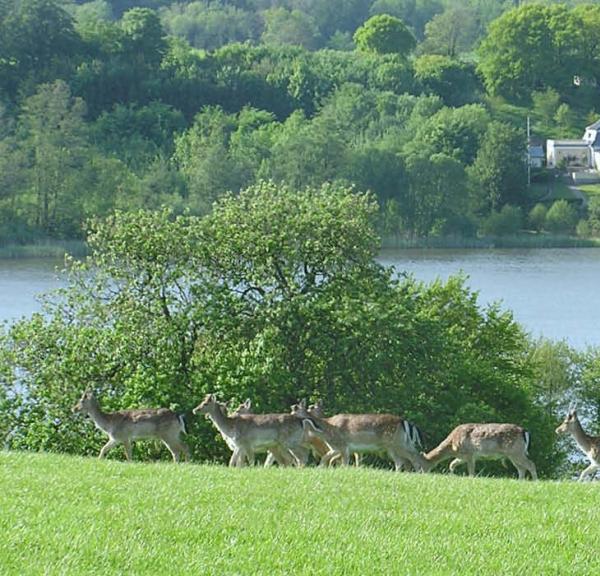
(65, 515)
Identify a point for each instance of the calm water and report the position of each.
(554, 293)
(22, 280)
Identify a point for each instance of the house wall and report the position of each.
(574, 156)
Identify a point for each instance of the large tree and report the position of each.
(385, 34)
(532, 47)
(275, 295)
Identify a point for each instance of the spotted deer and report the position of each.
(275, 454)
(249, 434)
(347, 433)
(589, 445)
(125, 426)
(468, 442)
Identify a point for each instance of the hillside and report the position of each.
(65, 515)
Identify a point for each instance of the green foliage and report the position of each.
(561, 217)
(37, 44)
(455, 82)
(290, 27)
(210, 25)
(537, 217)
(274, 295)
(452, 32)
(384, 34)
(498, 173)
(531, 47)
(506, 222)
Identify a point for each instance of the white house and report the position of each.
(579, 155)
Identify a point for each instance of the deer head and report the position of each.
(569, 423)
(86, 402)
(207, 405)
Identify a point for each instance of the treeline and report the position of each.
(106, 106)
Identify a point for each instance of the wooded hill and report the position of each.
(107, 105)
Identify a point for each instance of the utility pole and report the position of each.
(528, 152)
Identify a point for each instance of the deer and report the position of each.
(468, 442)
(347, 433)
(125, 426)
(589, 445)
(275, 454)
(252, 433)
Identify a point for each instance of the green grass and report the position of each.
(66, 515)
(551, 192)
(590, 189)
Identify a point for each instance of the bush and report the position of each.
(561, 218)
(506, 222)
(537, 217)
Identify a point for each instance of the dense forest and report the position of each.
(127, 104)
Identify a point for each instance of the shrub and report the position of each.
(506, 222)
(561, 218)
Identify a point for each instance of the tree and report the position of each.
(454, 81)
(561, 218)
(38, 43)
(505, 222)
(275, 295)
(456, 132)
(498, 174)
(384, 34)
(532, 47)
(210, 26)
(437, 193)
(450, 33)
(55, 139)
(537, 217)
(144, 39)
(289, 27)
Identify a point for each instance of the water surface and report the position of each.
(552, 292)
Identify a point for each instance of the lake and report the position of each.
(552, 292)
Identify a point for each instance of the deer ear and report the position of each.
(248, 403)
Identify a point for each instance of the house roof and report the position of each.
(570, 143)
(536, 152)
(594, 126)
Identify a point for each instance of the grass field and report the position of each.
(65, 515)
(590, 189)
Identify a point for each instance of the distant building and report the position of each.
(578, 155)
(536, 155)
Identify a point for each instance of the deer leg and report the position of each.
(300, 454)
(128, 450)
(588, 471)
(346, 457)
(524, 465)
(281, 456)
(454, 465)
(470, 465)
(236, 458)
(329, 458)
(112, 442)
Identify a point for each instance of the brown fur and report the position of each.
(124, 426)
(468, 442)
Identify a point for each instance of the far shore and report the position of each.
(78, 248)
